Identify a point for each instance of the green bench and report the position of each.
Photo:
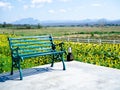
(33, 46)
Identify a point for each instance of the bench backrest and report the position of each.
(30, 44)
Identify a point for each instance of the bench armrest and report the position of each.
(60, 45)
(15, 51)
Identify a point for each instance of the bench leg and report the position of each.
(21, 76)
(11, 69)
(53, 61)
(20, 71)
(62, 58)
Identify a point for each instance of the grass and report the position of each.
(58, 31)
(106, 32)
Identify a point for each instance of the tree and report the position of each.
(4, 24)
(39, 26)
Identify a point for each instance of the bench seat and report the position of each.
(40, 54)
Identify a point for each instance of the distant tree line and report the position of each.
(20, 26)
(39, 26)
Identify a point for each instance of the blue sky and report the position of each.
(12, 10)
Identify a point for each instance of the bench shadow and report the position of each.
(26, 72)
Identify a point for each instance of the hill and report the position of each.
(33, 21)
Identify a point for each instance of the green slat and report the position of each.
(34, 47)
(32, 42)
(16, 41)
(26, 51)
(40, 54)
(37, 50)
(29, 40)
(27, 44)
(28, 37)
(36, 42)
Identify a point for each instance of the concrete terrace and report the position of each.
(78, 76)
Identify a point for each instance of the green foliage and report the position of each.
(5, 63)
(92, 34)
(100, 54)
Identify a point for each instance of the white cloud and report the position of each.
(51, 11)
(96, 5)
(32, 6)
(62, 10)
(36, 6)
(20, 0)
(25, 7)
(5, 5)
(41, 1)
(64, 0)
(57, 11)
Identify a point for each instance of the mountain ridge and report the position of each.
(33, 21)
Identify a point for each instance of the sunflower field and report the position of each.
(100, 54)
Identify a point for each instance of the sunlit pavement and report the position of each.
(77, 76)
